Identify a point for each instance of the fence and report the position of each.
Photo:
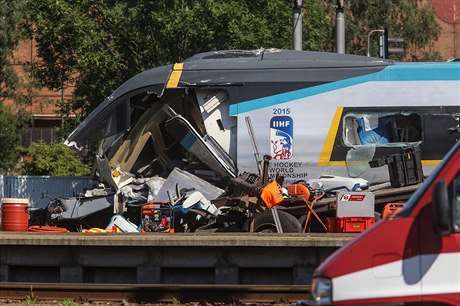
(35, 188)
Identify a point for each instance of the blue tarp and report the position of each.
(373, 131)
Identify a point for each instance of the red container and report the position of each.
(331, 225)
(15, 215)
(349, 224)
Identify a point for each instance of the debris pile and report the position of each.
(183, 202)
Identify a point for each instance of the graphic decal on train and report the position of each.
(281, 137)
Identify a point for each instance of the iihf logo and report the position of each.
(281, 137)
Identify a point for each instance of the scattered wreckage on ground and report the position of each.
(178, 152)
(180, 203)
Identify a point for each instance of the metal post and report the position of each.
(368, 40)
(276, 218)
(252, 136)
(340, 27)
(62, 107)
(297, 24)
(385, 43)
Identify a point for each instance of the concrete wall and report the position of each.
(238, 258)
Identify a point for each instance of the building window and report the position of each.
(34, 134)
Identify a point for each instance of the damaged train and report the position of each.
(314, 114)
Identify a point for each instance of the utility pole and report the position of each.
(297, 24)
(340, 27)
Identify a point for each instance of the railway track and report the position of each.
(146, 293)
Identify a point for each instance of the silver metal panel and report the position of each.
(34, 187)
(355, 204)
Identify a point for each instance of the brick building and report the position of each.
(46, 118)
(45, 115)
(448, 16)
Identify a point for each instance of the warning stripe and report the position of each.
(175, 76)
(325, 158)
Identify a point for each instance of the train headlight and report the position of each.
(321, 291)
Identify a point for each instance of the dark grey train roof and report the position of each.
(234, 60)
(270, 72)
(262, 72)
(273, 58)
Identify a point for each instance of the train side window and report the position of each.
(374, 128)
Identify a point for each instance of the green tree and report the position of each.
(98, 44)
(413, 20)
(13, 118)
(8, 42)
(54, 159)
(9, 139)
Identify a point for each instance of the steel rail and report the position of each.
(155, 293)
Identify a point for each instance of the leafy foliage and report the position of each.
(8, 41)
(9, 138)
(98, 44)
(412, 20)
(67, 303)
(54, 159)
(13, 88)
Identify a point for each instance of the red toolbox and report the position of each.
(349, 224)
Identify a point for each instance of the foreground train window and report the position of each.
(381, 128)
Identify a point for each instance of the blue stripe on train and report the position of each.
(397, 72)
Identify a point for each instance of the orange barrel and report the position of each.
(15, 215)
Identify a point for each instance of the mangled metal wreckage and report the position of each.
(165, 152)
(187, 120)
(157, 144)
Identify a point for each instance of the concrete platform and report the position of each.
(176, 239)
(204, 258)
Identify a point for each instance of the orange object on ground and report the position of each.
(47, 229)
(391, 210)
(272, 194)
(299, 190)
(15, 214)
(150, 208)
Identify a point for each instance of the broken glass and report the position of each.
(358, 158)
